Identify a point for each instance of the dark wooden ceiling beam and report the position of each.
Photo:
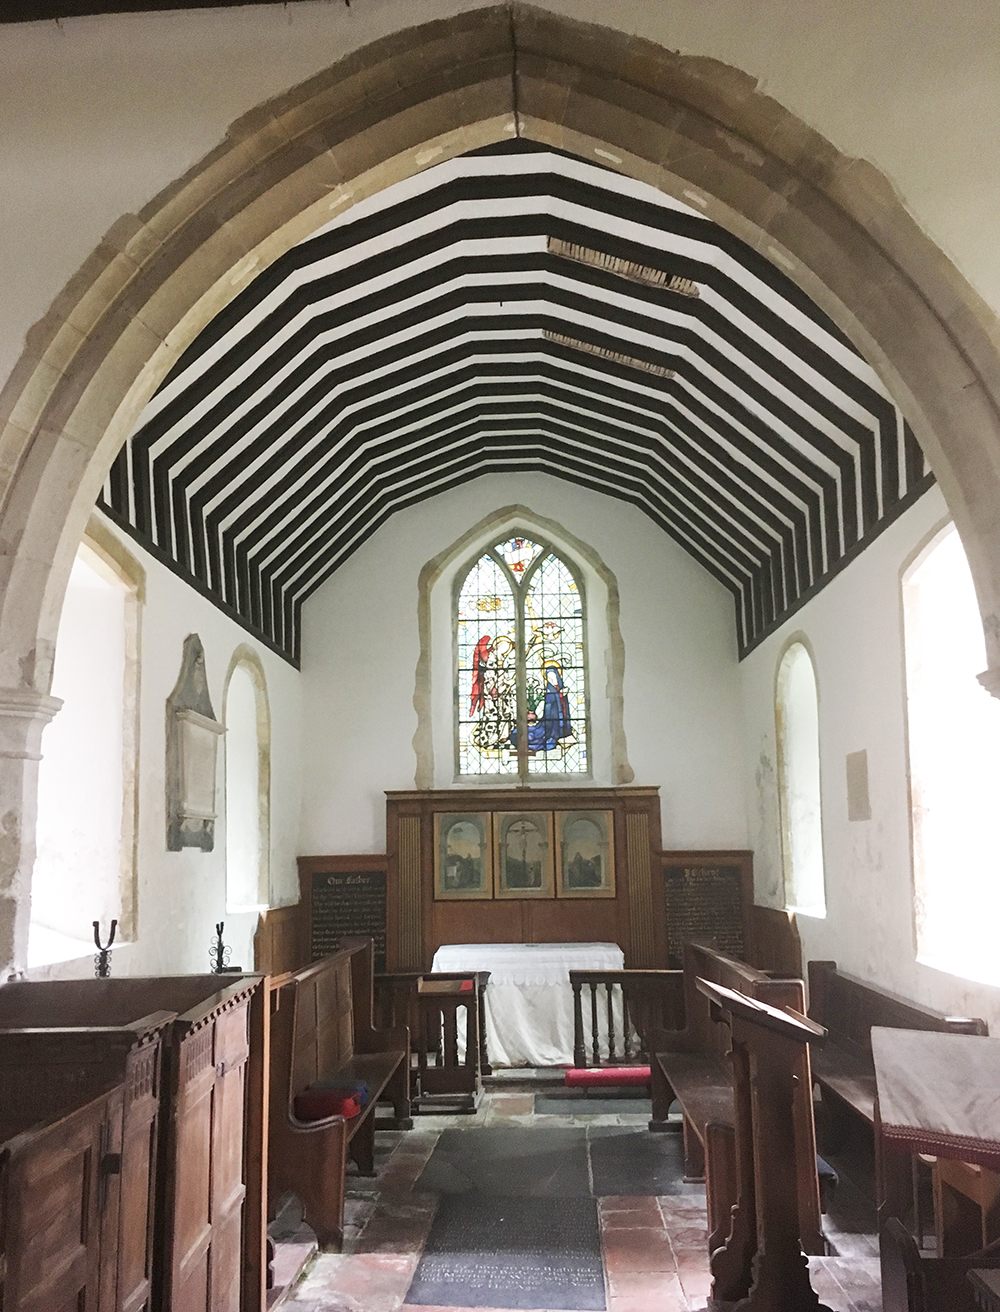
(41, 11)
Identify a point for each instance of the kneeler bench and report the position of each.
(323, 1043)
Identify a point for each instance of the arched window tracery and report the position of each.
(521, 688)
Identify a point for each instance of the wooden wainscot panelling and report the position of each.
(485, 896)
(704, 896)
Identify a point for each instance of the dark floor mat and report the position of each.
(567, 1103)
(512, 1252)
(625, 1161)
(509, 1160)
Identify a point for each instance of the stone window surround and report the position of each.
(433, 693)
(245, 658)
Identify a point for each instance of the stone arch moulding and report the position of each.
(691, 125)
(491, 528)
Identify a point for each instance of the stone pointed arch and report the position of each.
(691, 125)
(450, 562)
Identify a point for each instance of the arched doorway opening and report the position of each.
(380, 115)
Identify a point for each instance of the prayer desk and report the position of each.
(937, 1094)
(761, 1266)
(528, 1006)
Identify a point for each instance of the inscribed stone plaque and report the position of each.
(346, 903)
(704, 901)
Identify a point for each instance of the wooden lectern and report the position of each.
(761, 1266)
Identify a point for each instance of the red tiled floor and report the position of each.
(637, 1250)
(655, 1251)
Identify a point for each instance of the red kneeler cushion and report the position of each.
(608, 1077)
(318, 1104)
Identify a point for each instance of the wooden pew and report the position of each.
(777, 948)
(692, 1066)
(208, 1235)
(60, 1188)
(322, 1030)
(44, 1072)
(848, 1008)
(279, 941)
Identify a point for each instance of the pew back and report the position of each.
(321, 1030)
(203, 1108)
(848, 1008)
(702, 960)
(59, 1207)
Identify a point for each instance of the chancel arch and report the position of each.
(99, 355)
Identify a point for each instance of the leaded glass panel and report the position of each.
(556, 695)
(487, 671)
(521, 665)
(517, 554)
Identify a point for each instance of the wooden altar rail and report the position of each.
(397, 1002)
(651, 1001)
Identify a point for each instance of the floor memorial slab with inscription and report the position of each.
(512, 1253)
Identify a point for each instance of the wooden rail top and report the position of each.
(787, 1023)
(731, 965)
(850, 1007)
(142, 1030)
(131, 1002)
(622, 976)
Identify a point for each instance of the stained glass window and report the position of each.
(521, 668)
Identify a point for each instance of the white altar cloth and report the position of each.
(529, 1001)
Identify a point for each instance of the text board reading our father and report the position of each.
(343, 904)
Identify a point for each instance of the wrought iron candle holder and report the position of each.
(102, 959)
(219, 952)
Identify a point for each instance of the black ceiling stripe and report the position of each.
(771, 455)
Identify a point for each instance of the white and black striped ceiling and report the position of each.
(433, 334)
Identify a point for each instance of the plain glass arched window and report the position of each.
(85, 832)
(521, 690)
(954, 746)
(247, 780)
(797, 714)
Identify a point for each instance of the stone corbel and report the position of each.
(24, 713)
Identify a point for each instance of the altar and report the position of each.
(528, 1003)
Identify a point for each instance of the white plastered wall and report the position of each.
(181, 895)
(100, 113)
(361, 645)
(854, 632)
